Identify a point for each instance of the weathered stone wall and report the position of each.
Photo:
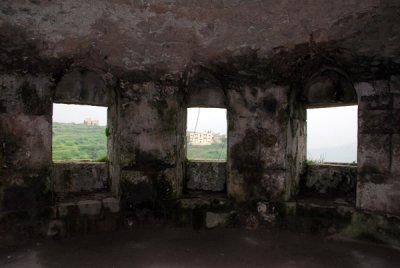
(330, 181)
(203, 89)
(83, 87)
(75, 177)
(25, 138)
(257, 121)
(206, 176)
(149, 60)
(296, 145)
(137, 35)
(379, 146)
(329, 87)
(26, 179)
(25, 154)
(149, 162)
(98, 214)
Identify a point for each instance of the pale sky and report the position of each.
(210, 119)
(330, 127)
(71, 113)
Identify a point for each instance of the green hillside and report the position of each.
(78, 142)
(82, 142)
(215, 151)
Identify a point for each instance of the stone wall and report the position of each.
(379, 146)
(138, 35)
(206, 176)
(25, 154)
(147, 61)
(147, 131)
(330, 181)
(83, 87)
(25, 138)
(27, 183)
(296, 145)
(329, 88)
(74, 177)
(257, 121)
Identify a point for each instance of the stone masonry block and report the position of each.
(384, 198)
(396, 121)
(375, 121)
(82, 87)
(374, 153)
(216, 219)
(395, 84)
(381, 87)
(396, 155)
(374, 102)
(64, 208)
(79, 176)
(396, 101)
(377, 178)
(89, 207)
(112, 204)
(208, 176)
(337, 179)
(25, 94)
(26, 140)
(273, 182)
(372, 88)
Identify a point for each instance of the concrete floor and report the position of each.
(188, 248)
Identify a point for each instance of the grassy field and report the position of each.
(207, 152)
(82, 142)
(78, 142)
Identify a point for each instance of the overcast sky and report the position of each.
(70, 113)
(330, 127)
(210, 119)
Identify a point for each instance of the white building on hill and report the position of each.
(200, 138)
(91, 122)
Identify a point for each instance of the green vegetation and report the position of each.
(79, 142)
(216, 151)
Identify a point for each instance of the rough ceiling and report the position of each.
(127, 36)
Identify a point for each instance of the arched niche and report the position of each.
(204, 90)
(329, 88)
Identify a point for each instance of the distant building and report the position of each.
(219, 138)
(91, 122)
(205, 138)
(200, 138)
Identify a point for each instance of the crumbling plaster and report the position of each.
(169, 35)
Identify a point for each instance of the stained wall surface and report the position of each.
(378, 146)
(123, 35)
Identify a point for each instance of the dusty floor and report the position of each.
(188, 248)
